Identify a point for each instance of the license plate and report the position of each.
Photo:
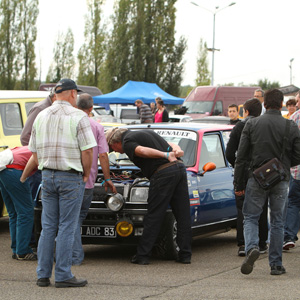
(100, 231)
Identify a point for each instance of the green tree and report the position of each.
(265, 84)
(92, 52)
(29, 13)
(202, 65)
(10, 38)
(117, 67)
(63, 60)
(142, 45)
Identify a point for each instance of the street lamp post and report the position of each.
(291, 77)
(213, 49)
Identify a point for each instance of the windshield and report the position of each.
(100, 111)
(198, 107)
(187, 140)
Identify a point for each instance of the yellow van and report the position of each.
(14, 108)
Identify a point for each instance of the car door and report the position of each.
(215, 188)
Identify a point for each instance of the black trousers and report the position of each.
(168, 186)
(263, 223)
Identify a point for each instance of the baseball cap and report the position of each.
(66, 84)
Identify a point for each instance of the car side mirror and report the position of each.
(210, 166)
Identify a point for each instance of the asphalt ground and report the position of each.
(213, 274)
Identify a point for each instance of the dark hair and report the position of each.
(234, 105)
(273, 99)
(291, 102)
(160, 102)
(253, 106)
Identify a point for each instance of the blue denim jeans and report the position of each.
(78, 253)
(62, 194)
(292, 222)
(255, 198)
(19, 205)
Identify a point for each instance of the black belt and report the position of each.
(167, 165)
(68, 171)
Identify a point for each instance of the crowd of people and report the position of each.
(261, 135)
(61, 149)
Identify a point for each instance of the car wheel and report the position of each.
(166, 246)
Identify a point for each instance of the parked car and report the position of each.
(102, 115)
(213, 120)
(179, 118)
(118, 219)
(14, 108)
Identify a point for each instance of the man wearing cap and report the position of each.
(61, 142)
(168, 186)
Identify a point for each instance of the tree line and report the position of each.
(139, 46)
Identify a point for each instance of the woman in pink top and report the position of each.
(161, 114)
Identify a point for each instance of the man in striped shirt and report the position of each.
(61, 142)
(144, 111)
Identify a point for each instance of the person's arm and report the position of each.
(104, 162)
(147, 152)
(232, 145)
(242, 160)
(165, 116)
(86, 161)
(30, 166)
(176, 149)
(26, 132)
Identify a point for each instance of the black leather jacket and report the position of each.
(261, 140)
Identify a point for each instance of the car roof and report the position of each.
(23, 94)
(184, 126)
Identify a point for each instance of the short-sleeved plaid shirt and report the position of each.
(59, 134)
(295, 171)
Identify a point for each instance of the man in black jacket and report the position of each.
(262, 140)
(252, 108)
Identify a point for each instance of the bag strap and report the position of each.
(285, 138)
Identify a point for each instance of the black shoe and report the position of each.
(73, 282)
(263, 249)
(249, 261)
(28, 256)
(43, 282)
(14, 256)
(241, 251)
(277, 270)
(139, 260)
(184, 260)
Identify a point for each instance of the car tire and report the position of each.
(166, 246)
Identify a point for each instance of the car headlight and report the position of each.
(139, 194)
(114, 202)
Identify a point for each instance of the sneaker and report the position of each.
(14, 256)
(43, 282)
(183, 260)
(287, 245)
(28, 256)
(248, 264)
(264, 249)
(277, 270)
(241, 251)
